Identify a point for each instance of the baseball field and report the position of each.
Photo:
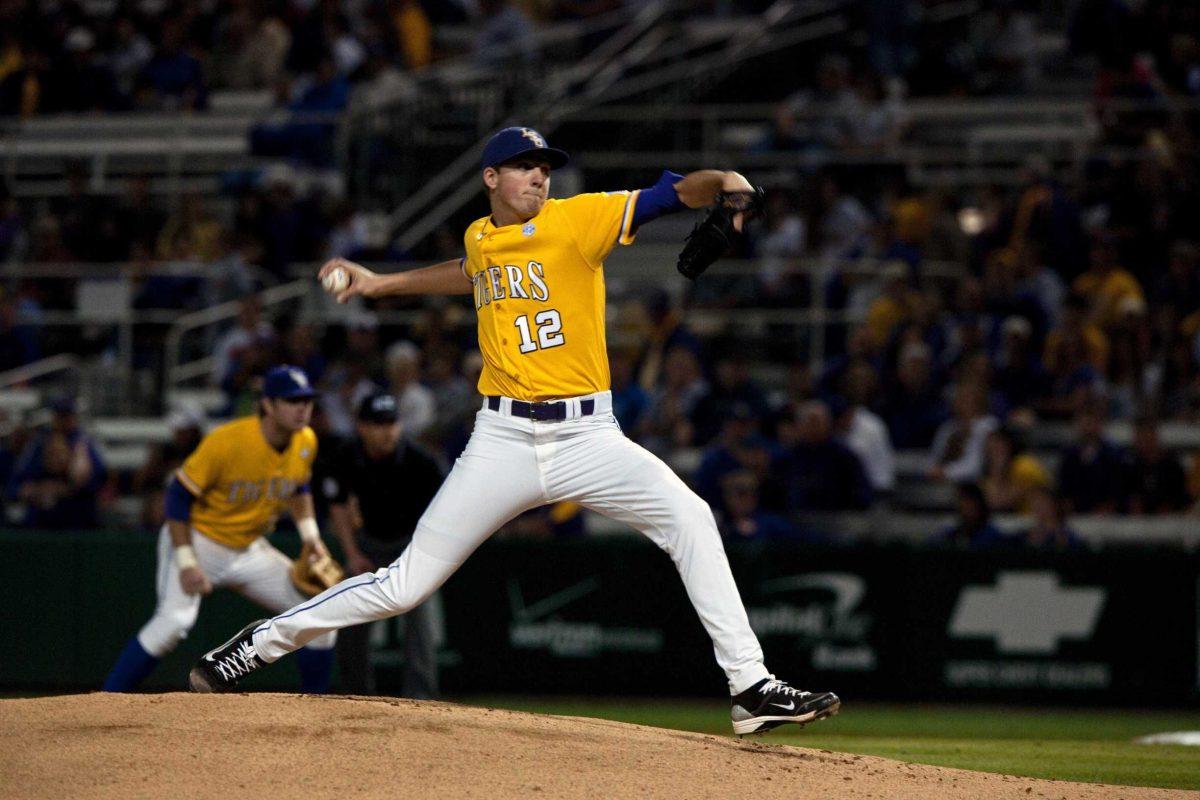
(1093, 746)
(282, 745)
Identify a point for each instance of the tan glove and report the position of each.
(313, 572)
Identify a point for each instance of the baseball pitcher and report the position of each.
(546, 432)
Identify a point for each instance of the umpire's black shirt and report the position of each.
(392, 492)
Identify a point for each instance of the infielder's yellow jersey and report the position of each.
(241, 483)
(539, 294)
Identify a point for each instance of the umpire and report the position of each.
(378, 487)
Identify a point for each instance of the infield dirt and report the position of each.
(277, 745)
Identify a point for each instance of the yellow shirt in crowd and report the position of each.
(1107, 292)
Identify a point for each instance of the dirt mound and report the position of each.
(275, 745)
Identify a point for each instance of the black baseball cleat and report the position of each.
(771, 703)
(220, 669)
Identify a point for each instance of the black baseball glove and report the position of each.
(714, 235)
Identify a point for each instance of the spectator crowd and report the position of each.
(72, 57)
(1073, 297)
(770, 461)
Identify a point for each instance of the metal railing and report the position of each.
(547, 37)
(177, 151)
(118, 271)
(963, 143)
(631, 273)
(29, 373)
(177, 372)
(675, 62)
(19, 398)
(781, 26)
(621, 73)
(426, 209)
(111, 308)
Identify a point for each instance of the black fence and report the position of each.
(611, 617)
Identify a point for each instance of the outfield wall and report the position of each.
(610, 617)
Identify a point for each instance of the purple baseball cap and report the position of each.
(287, 382)
(509, 143)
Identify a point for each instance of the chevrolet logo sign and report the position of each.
(1027, 612)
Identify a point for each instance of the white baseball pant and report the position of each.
(511, 465)
(259, 572)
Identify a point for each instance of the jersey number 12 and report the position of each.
(549, 331)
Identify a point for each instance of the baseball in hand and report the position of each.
(336, 281)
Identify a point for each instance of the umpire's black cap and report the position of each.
(378, 407)
(509, 143)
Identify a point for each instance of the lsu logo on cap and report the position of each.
(299, 377)
(533, 136)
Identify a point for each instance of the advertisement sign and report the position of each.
(1027, 615)
(888, 622)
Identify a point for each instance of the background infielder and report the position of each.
(220, 505)
(546, 432)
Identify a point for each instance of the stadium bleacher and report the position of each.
(1047, 152)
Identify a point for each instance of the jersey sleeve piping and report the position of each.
(627, 233)
(188, 483)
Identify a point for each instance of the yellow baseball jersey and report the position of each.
(241, 483)
(539, 295)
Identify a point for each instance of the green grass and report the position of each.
(1091, 746)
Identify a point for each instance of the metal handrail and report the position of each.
(179, 373)
(219, 313)
(456, 171)
(611, 49)
(618, 50)
(917, 110)
(864, 267)
(557, 109)
(159, 136)
(735, 51)
(306, 271)
(50, 365)
(545, 36)
(116, 270)
(70, 319)
(780, 13)
(183, 373)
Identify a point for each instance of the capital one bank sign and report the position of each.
(819, 613)
(1027, 615)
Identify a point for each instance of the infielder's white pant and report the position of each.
(512, 465)
(260, 573)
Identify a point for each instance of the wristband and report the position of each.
(309, 532)
(185, 557)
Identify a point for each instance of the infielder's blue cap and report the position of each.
(287, 382)
(509, 143)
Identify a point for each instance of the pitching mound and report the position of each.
(275, 745)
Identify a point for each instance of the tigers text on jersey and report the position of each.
(241, 483)
(539, 294)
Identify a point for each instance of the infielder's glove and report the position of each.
(313, 575)
(713, 235)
